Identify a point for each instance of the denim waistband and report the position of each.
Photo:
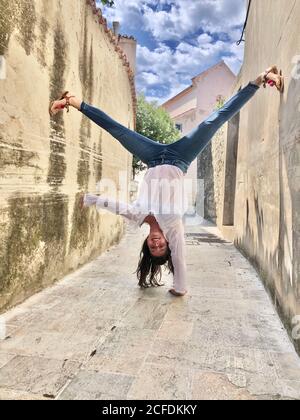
(175, 162)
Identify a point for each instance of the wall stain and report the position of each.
(26, 24)
(8, 15)
(86, 224)
(205, 171)
(16, 156)
(57, 164)
(83, 57)
(21, 15)
(82, 226)
(54, 226)
(83, 168)
(33, 221)
(86, 73)
(98, 159)
(44, 29)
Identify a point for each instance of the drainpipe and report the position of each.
(245, 24)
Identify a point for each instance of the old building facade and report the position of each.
(189, 107)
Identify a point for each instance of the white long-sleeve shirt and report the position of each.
(162, 194)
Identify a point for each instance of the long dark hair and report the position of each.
(149, 268)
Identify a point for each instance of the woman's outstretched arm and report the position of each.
(114, 206)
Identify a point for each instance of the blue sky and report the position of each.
(178, 39)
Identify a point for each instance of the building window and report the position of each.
(179, 127)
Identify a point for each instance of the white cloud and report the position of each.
(175, 68)
(128, 12)
(149, 78)
(204, 39)
(162, 72)
(185, 18)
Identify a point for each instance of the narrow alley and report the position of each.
(96, 335)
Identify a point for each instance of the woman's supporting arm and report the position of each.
(176, 240)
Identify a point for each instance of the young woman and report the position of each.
(157, 205)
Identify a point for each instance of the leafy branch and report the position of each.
(155, 123)
(109, 3)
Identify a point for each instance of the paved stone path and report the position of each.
(96, 335)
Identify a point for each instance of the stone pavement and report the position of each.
(96, 335)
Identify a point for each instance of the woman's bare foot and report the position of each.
(173, 292)
(57, 106)
(60, 104)
(275, 79)
(272, 77)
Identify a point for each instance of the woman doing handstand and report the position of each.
(156, 205)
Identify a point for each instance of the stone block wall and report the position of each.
(45, 163)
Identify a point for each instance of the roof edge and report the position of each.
(122, 56)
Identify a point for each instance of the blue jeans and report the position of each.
(182, 152)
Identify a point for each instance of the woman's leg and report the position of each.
(140, 146)
(189, 146)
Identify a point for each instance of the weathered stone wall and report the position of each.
(211, 169)
(267, 197)
(45, 163)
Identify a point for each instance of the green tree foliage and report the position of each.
(220, 102)
(155, 123)
(109, 3)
